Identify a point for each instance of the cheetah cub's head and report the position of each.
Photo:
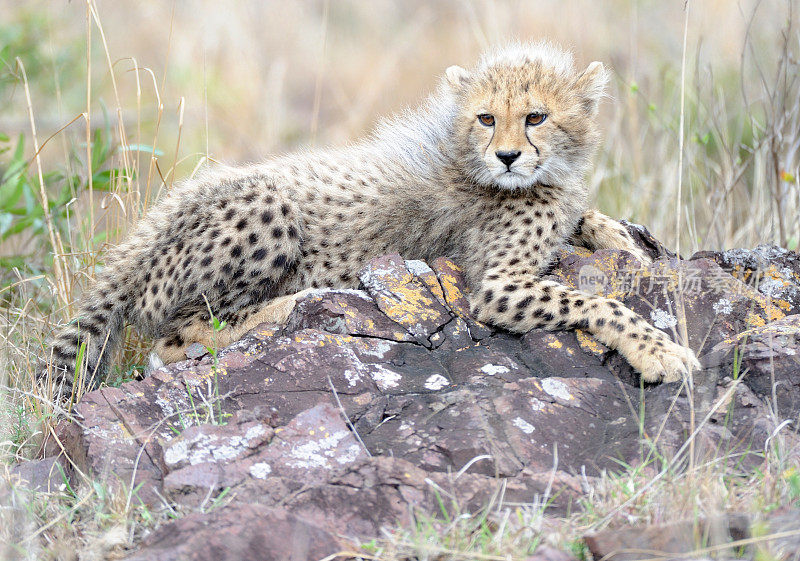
(526, 116)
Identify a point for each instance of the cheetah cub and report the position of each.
(489, 171)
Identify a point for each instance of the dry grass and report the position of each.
(123, 99)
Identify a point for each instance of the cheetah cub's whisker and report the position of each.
(489, 171)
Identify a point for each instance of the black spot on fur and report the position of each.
(525, 302)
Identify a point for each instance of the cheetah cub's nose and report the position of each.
(508, 157)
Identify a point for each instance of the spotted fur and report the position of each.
(428, 182)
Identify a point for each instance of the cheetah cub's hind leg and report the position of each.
(275, 311)
(598, 231)
(521, 302)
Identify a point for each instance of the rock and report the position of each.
(208, 459)
(195, 351)
(660, 541)
(772, 270)
(716, 306)
(46, 475)
(645, 240)
(767, 359)
(370, 404)
(403, 294)
(240, 531)
(690, 537)
(346, 312)
(546, 553)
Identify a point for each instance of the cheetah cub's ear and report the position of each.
(591, 86)
(457, 77)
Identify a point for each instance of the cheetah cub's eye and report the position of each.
(534, 119)
(486, 119)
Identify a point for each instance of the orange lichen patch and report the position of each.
(754, 319)
(677, 281)
(351, 314)
(768, 306)
(783, 304)
(742, 274)
(450, 290)
(780, 328)
(552, 341)
(773, 313)
(321, 338)
(265, 331)
(123, 430)
(567, 281)
(164, 375)
(197, 376)
(589, 344)
(772, 273)
(433, 285)
(209, 373)
(408, 306)
(573, 250)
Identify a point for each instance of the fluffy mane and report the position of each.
(419, 137)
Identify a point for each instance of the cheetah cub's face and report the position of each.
(526, 117)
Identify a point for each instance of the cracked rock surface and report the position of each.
(372, 403)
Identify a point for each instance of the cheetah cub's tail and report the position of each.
(81, 351)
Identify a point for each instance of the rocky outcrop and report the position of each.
(372, 403)
(731, 537)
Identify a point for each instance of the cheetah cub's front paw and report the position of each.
(670, 362)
